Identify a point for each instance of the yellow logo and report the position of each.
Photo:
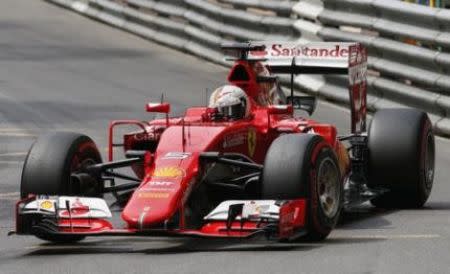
(251, 141)
(46, 205)
(153, 195)
(168, 172)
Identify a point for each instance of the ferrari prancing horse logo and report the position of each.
(251, 141)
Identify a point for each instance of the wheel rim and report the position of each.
(78, 166)
(328, 187)
(429, 161)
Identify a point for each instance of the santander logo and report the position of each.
(291, 50)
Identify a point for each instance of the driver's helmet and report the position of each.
(231, 102)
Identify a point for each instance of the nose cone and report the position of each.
(171, 177)
(154, 202)
(143, 217)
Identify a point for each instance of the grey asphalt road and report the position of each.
(60, 71)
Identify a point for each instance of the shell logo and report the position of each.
(46, 205)
(168, 172)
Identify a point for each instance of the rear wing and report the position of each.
(317, 58)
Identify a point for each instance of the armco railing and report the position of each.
(409, 45)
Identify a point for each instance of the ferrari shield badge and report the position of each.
(251, 141)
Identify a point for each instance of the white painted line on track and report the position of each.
(11, 162)
(12, 130)
(9, 194)
(64, 247)
(13, 154)
(388, 237)
(16, 134)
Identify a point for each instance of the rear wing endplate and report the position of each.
(321, 58)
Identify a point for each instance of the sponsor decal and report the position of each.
(47, 205)
(153, 195)
(251, 141)
(166, 189)
(251, 210)
(159, 186)
(233, 140)
(177, 155)
(162, 183)
(295, 50)
(146, 136)
(358, 87)
(76, 208)
(168, 172)
(336, 51)
(357, 74)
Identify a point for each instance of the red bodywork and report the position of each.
(165, 193)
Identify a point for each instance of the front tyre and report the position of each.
(50, 166)
(305, 166)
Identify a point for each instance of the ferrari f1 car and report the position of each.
(210, 173)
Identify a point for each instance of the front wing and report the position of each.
(82, 216)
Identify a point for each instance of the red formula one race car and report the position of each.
(244, 165)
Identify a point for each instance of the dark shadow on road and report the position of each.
(369, 217)
(178, 246)
(436, 206)
(366, 217)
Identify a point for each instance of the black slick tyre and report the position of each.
(305, 166)
(50, 165)
(401, 157)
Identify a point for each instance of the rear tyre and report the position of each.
(305, 166)
(401, 157)
(50, 165)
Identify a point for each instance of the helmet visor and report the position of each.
(236, 111)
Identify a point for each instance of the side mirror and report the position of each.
(158, 107)
(280, 109)
(306, 103)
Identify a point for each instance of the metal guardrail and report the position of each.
(409, 45)
(409, 49)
